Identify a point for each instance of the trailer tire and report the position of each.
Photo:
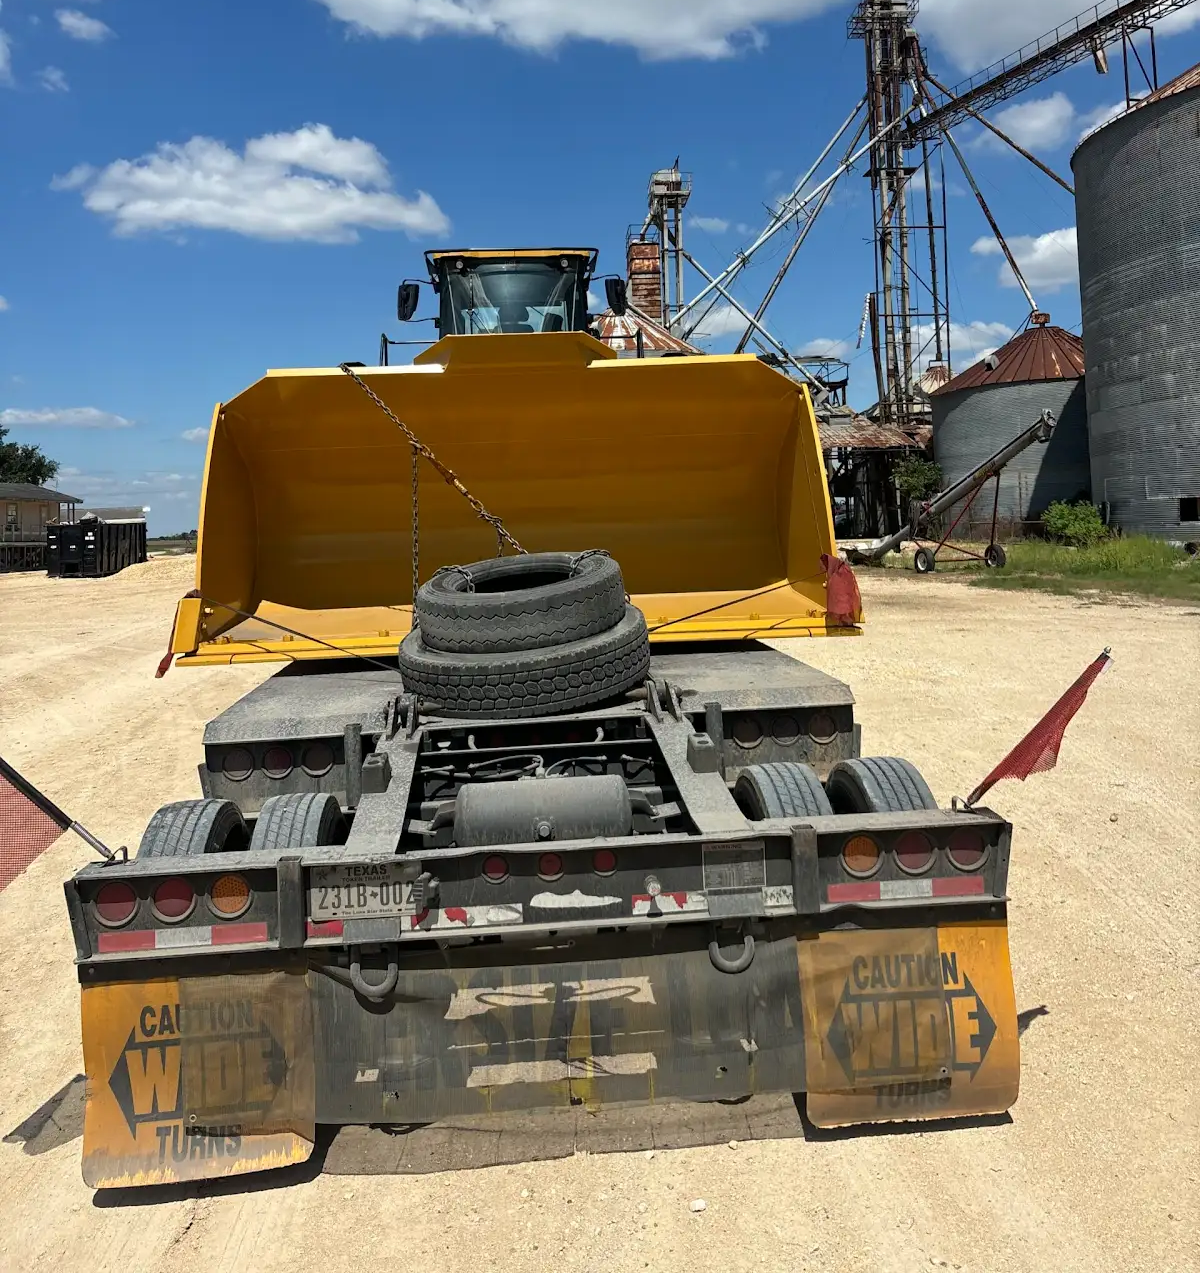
(190, 827)
(530, 602)
(879, 784)
(299, 821)
(994, 557)
(522, 683)
(924, 562)
(781, 789)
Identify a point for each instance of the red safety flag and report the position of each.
(1038, 750)
(29, 823)
(843, 602)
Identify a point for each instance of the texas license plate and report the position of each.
(359, 891)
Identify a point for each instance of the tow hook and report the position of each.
(739, 963)
(377, 991)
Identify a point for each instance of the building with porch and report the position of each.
(25, 512)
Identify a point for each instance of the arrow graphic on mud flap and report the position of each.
(881, 1034)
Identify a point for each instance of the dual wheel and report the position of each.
(787, 789)
(296, 821)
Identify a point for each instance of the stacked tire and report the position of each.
(525, 636)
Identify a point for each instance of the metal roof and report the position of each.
(24, 490)
(621, 334)
(856, 432)
(1041, 353)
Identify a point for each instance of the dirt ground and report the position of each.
(1098, 1169)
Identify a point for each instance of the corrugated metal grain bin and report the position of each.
(1137, 184)
(977, 412)
(102, 542)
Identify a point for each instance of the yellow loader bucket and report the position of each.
(702, 476)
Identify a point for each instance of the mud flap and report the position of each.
(196, 1078)
(909, 1024)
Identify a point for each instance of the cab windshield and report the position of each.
(512, 296)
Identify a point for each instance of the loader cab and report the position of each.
(518, 291)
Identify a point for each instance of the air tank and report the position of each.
(1137, 186)
(986, 406)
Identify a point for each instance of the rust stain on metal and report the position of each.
(857, 432)
(1180, 84)
(621, 334)
(1041, 353)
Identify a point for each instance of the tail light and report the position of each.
(229, 897)
(277, 763)
(550, 866)
(914, 852)
(967, 849)
(115, 905)
(173, 900)
(495, 869)
(861, 856)
(604, 861)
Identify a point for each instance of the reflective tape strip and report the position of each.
(903, 890)
(469, 916)
(181, 938)
(325, 928)
(670, 903)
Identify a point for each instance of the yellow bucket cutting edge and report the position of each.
(702, 476)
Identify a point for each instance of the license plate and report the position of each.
(360, 890)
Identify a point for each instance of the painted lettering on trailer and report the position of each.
(897, 1012)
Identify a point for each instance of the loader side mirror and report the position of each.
(407, 296)
(614, 293)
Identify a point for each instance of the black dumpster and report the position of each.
(102, 542)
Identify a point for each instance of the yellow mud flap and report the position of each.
(196, 1078)
(907, 1024)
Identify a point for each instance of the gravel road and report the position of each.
(1098, 1169)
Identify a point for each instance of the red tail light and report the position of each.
(495, 869)
(173, 900)
(115, 904)
(550, 866)
(967, 849)
(914, 852)
(604, 861)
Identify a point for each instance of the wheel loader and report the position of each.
(541, 826)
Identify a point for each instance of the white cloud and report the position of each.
(825, 348)
(194, 435)
(3, 304)
(79, 26)
(5, 59)
(1041, 124)
(594, 303)
(664, 29)
(146, 490)
(723, 321)
(710, 225)
(969, 342)
(1091, 120)
(306, 185)
(53, 80)
(63, 418)
(1048, 261)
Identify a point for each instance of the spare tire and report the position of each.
(530, 602)
(563, 678)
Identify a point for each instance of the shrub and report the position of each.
(917, 478)
(1077, 524)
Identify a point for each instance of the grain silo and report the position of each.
(1137, 189)
(977, 412)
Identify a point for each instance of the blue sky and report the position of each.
(194, 193)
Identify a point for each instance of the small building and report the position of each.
(25, 512)
(860, 459)
(622, 335)
(101, 542)
(986, 406)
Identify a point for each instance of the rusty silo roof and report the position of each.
(1180, 84)
(1041, 353)
(621, 334)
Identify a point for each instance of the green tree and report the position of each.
(1078, 524)
(23, 462)
(917, 478)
